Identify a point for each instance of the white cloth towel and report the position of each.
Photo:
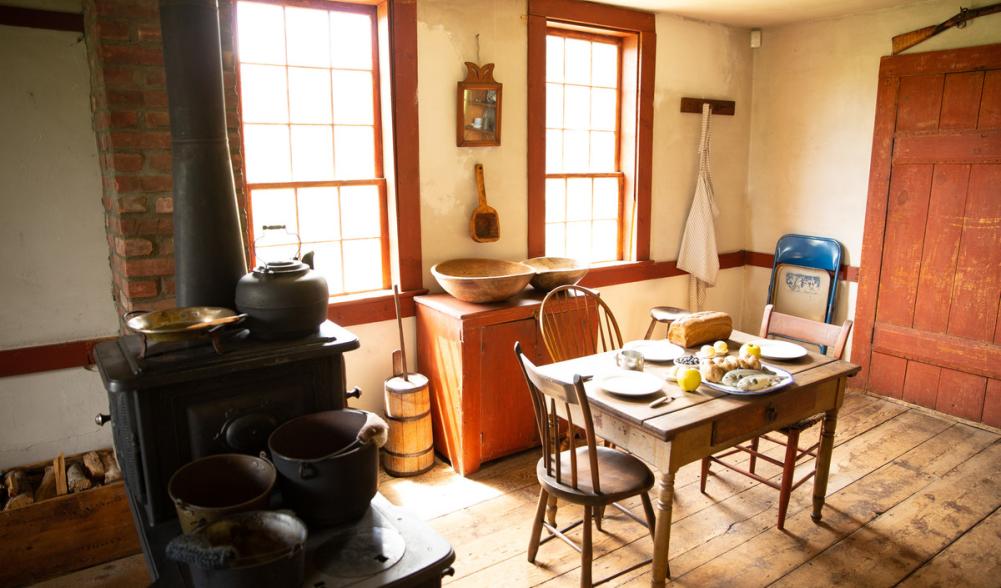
(699, 256)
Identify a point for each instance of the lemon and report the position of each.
(721, 347)
(689, 379)
(750, 349)
(707, 351)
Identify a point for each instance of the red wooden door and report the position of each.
(928, 328)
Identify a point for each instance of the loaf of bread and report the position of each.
(700, 327)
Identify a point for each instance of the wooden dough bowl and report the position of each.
(482, 280)
(553, 272)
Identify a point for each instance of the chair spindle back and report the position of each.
(575, 322)
(833, 337)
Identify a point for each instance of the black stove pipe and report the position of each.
(208, 242)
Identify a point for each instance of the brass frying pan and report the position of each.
(175, 324)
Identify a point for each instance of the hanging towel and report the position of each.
(699, 256)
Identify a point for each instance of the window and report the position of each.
(583, 177)
(590, 127)
(309, 89)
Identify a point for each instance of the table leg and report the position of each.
(823, 462)
(662, 536)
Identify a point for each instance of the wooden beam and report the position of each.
(16, 16)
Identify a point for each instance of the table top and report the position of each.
(691, 408)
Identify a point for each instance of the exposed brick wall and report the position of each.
(132, 124)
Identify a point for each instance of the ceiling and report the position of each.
(759, 13)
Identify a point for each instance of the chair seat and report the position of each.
(666, 314)
(621, 476)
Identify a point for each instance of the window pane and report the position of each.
(603, 112)
(604, 240)
(327, 260)
(360, 212)
(263, 94)
(575, 151)
(555, 200)
(554, 106)
(579, 241)
(578, 61)
(351, 40)
(319, 219)
(362, 265)
(261, 33)
(554, 151)
(605, 65)
(273, 207)
(312, 153)
(354, 151)
(352, 97)
(554, 59)
(263, 255)
(578, 199)
(267, 153)
(555, 233)
(307, 36)
(309, 94)
(577, 105)
(606, 198)
(602, 151)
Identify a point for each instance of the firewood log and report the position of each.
(59, 466)
(111, 470)
(19, 501)
(95, 467)
(18, 489)
(76, 479)
(47, 488)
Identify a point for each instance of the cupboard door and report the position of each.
(507, 418)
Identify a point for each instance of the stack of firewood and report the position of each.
(27, 485)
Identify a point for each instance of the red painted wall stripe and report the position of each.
(44, 358)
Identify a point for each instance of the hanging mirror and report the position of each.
(479, 108)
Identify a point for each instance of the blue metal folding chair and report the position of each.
(804, 279)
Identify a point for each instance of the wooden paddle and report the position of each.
(484, 226)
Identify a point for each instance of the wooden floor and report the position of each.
(912, 500)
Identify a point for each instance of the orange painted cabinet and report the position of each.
(480, 405)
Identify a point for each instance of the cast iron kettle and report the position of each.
(283, 299)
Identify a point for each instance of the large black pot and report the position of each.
(321, 482)
(283, 299)
(263, 549)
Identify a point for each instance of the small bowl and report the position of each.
(553, 272)
(482, 280)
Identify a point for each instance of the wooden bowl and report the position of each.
(552, 272)
(482, 280)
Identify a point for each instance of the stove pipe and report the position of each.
(208, 242)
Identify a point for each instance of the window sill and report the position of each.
(370, 307)
(624, 272)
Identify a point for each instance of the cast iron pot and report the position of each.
(262, 549)
(283, 299)
(216, 486)
(321, 482)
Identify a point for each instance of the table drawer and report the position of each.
(779, 411)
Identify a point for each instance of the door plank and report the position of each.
(910, 188)
(920, 102)
(992, 403)
(921, 384)
(961, 394)
(886, 374)
(943, 230)
(973, 560)
(990, 101)
(961, 100)
(983, 146)
(976, 357)
(978, 274)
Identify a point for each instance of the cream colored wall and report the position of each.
(57, 284)
(812, 116)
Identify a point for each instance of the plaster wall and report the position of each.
(57, 284)
(813, 108)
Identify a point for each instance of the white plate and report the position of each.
(656, 350)
(785, 381)
(629, 383)
(775, 349)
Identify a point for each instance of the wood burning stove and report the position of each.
(181, 402)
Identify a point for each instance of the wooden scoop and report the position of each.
(484, 226)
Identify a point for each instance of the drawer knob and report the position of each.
(771, 414)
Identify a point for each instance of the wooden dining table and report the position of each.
(698, 424)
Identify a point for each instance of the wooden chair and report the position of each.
(664, 315)
(834, 338)
(589, 475)
(575, 322)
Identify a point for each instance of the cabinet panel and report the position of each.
(507, 419)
